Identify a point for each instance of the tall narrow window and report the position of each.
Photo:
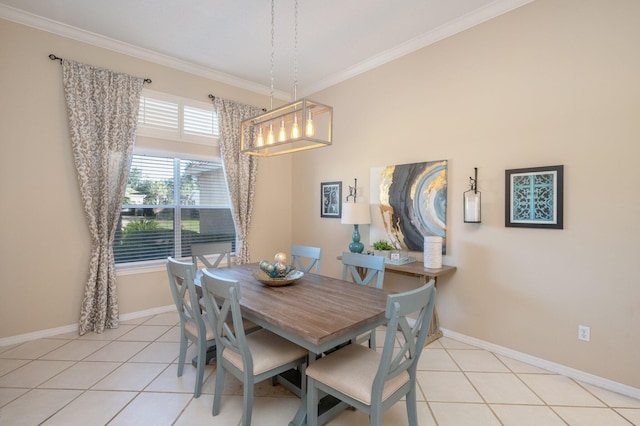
(171, 203)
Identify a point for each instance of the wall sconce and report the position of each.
(471, 201)
(355, 214)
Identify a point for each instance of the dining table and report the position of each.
(316, 312)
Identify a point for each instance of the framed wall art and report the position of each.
(409, 203)
(533, 197)
(331, 199)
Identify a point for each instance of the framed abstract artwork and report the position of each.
(533, 197)
(331, 199)
(409, 203)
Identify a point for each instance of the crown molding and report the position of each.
(463, 23)
(456, 26)
(58, 28)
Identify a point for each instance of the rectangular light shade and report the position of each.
(297, 126)
(355, 214)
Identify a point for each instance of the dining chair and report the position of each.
(194, 325)
(366, 270)
(373, 381)
(223, 251)
(200, 251)
(251, 358)
(363, 268)
(304, 258)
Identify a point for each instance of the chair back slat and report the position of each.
(304, 258)
(201, 250)
(363, 269)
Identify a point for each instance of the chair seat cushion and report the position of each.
(268, 351)
(351, 370)
(192, 327)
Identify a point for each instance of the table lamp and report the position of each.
(356, 214)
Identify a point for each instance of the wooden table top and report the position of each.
(316, 312)
(417, 269)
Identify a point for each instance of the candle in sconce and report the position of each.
(472, 206)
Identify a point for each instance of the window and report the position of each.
(171, 117)
(169, 204)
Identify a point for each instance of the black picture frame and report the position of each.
(534, 197)
(331, 200)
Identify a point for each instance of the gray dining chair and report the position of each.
(200, 251)
(251, 358)
(373, 381)
(365, 270)
(305, 257)
(194, 325)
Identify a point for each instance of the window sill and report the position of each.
(157, 266)
(141, 268)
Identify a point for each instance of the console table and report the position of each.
(417, 269)
(424, 275)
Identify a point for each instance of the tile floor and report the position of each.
(127, 376)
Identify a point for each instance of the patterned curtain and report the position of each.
(240, 169)
(102, 108)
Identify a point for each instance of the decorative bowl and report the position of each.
(290, 278)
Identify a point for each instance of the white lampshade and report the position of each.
(355, 214)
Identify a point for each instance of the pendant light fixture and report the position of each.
(301, 125)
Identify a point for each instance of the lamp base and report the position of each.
(356, 246)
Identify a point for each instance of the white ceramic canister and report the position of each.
(433, 252)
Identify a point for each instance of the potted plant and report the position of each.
(382, 248)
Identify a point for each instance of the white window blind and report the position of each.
(198, 121)
(171, 203)
(158, 114)
(171, 117)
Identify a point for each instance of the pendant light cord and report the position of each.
(273, 8)
(295, 51)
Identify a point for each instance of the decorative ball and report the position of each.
(280, 258)
(281, 268)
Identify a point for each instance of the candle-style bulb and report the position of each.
(270, 137)
(310, 130)
(283, 132)
(295, 130)
(260, 138)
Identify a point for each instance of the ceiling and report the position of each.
(230, 40)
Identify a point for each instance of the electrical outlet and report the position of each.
(584, 333)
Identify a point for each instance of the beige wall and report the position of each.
(44, 244)
(553, 82)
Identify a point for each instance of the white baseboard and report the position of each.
(148, 312)
(546, 365)
(21, 338)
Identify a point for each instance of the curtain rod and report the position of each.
(56, 58)
(213, 98)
